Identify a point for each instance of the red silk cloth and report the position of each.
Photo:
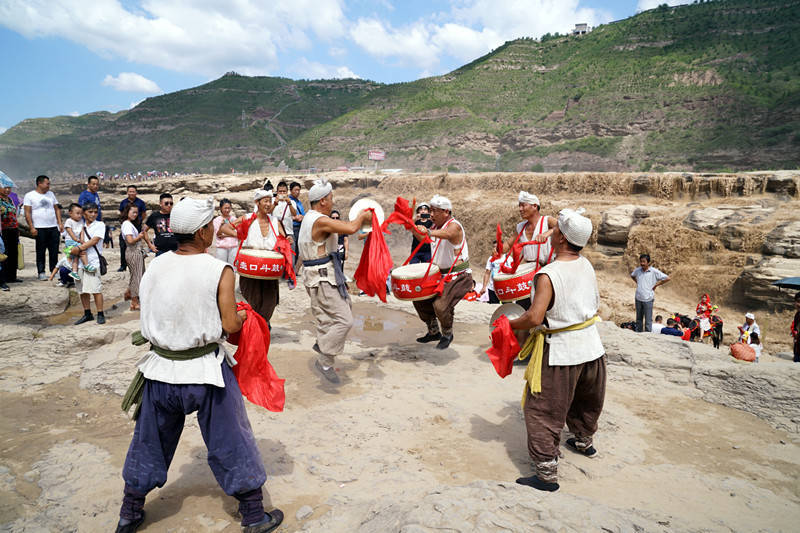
(375, 263)
(504, 348)
(404, 214)
(257, 379)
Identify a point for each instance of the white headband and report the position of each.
(575, 227)
(441, 202)
(528, 198)
(189, 215)
(261, 193)
(322, 188)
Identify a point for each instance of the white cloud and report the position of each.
(337, 51)
(206, 38)
(3, 130)
(132, 82)
(134, 104)
(315, 71)
(470, 29)
(74, 114)
(644, 5)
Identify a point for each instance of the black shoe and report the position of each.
(588, 452)
(430, 337)
(444, 342)
(121, 269)
(129, 527)
(538, 484)
(271, 520)
(329, 373)
(101, 318)
(15, 281)
(4, 287)
(84, 318)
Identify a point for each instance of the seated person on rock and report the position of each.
(673, 328)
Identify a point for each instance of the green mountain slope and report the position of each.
(202, 128)
(709, 85)
(713, 85)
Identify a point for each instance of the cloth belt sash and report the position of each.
(534, 347)
(133, 396)
(341, 280)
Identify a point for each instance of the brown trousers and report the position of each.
(571, 394)
(443, 306)
(333, 318)
(261, 294)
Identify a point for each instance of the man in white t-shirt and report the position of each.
(91, 282)
(43, 215)
(284, 210)
(658, 325)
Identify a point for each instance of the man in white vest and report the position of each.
(535, 228)
(323, 277)
(451, 254)
(566, 381)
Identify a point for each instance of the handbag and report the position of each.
(103, 261)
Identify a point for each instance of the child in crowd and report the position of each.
(64, 270)
(73, 228)
(755, 344)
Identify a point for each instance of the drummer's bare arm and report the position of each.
(451, 233)
(542, 237)
(281, 230)
(226, 302)
(542, 300)
(227, 230)
(326, 225)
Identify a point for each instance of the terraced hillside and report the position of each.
(235, 121)
(707, 86)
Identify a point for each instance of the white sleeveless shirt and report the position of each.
(257, 240)
(576, 299)
(445, 252)
(309, 249)
(179, 312)
(529, 252)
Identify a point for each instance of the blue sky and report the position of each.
(70, 57)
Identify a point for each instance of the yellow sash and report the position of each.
(534, 347)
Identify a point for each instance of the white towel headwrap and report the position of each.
(261, 193)
(528, 198)
(189, 215)
(322, 188)
(441, 202)
(575, 227)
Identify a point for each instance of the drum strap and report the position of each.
(516, 250)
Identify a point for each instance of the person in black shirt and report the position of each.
(343, 244)
(158, 221)
(422, 218)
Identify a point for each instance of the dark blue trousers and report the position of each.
(232, 452)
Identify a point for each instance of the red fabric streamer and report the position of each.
(504, 348)
(471, 296)
(403, 214)
(375, 263)
(244, 227)
(284, 247)
(257, 379)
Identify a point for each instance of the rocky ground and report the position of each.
(415, 439)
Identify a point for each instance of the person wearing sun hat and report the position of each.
(184, 319)
(566, 377)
